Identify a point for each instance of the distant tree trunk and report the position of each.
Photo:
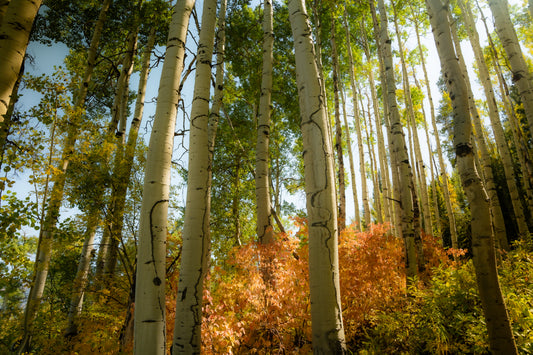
(373, 164)
(352, 81)
(421, 167)
(195, 254)
(383, 166)
(326, 312)
(341, 219)
(351, 162)
(151, 251)
(81, 279)
(519, 68)
(496, 317)
(265, 233)
(14, 37)
(48, 225)
(442, 164)
(399, 148)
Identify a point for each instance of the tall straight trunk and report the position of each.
(496, 317)
(442, 165)
(81, 278)
(357, 121)
(521, 74)
(395, 191)
(351, 161)
(341, 219)
(499, 136)
(265, 233)
(399, 148)
(326, 311)
(437, 227)
(362, 169)
(14, 36)
(194, 260)
(421, 167)
(350, 153)
(387, 191)
(149, 316)
(48, 225)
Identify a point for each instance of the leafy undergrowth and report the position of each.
(254, 306)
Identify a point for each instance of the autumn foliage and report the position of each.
(245, 314)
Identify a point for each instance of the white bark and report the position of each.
(326, 312)
(14, 36)
(187, 325)
(262, 179)
(151, 251)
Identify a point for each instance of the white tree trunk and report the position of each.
(264, 229)
(151, 251)
(14, 37)
(326, 312)
(187, 325)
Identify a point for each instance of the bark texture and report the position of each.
(194, 260)
(326, 312)
(149, 328)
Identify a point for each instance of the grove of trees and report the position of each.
(313, 176)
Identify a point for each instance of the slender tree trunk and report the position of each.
(421, 167)
(14, 37)
(399, 148)
(48, 226)
(81, 279)
(442, 165)
(350, 153)
(351, 162)
(341, 219)
(387, 196)
(374, 172)
(326, 312)
(265, 233)
(519, 68)
(496, 317)
(151, 251)
(187, 325)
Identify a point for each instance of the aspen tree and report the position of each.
(48, 225)
(350, 153)
(350, 161)
(187, 325)
(521, 74)
(442, 165)
(3, 9)
(373, 165)
(421, 167)
(387, 196)
(499, 328)
(399, 148)
(149, 320)
(326, 312)
(341, 219)
(265, 233)
(14, 38)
